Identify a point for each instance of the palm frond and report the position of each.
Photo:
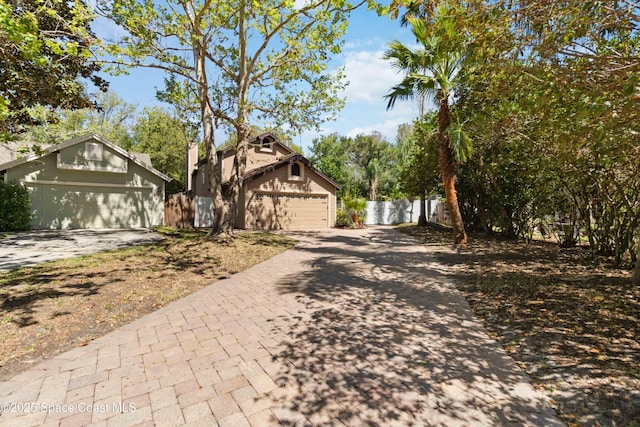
(460, 142)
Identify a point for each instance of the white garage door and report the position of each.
(70, 206)
(271, 211)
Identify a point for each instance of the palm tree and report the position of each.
(356, 207)
(433, 71)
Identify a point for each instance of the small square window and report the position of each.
(295, 170)
(93, 151)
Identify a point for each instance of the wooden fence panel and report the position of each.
(179, 211)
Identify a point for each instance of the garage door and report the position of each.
(269, 211)
(69, 206)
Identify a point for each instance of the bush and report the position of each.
(342, 218)
(15, 207)
(356, 209)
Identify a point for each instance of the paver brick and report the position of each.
(327, 333)
(169, 416)
(109, 388)
(75, 420)
(137, 402)
(163, 397)
(133, 418)
(231, 385)
(198, 412)
(186, 387)
(263, 383)
(85, 370)
(140, 388)
(200, 394)
(223, 405)
(263, 418)
(87, 380)
(234, 420)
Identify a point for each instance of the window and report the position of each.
(296, 172)
(266, 144)
(93, 151)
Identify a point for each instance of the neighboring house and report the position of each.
(280, 190)
(89, 182)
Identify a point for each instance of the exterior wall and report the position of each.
(200, 183)
(256, 157)
(278, 182)
(74, 157)
(82, 194)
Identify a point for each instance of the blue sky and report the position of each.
(369, 76)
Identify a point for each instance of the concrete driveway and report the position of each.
(349, 328)
(34, 247)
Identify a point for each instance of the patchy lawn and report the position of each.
(52, 307)
(572, 325)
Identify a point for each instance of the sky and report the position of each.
(370, 77)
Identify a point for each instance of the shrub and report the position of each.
(342, 218)
(355, 206)
(15, 207)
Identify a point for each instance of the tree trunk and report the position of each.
(447, 162)
(239, 168)
(232, 194)
(636, 272)
(220, 207)
(373, 183)
(422, 219)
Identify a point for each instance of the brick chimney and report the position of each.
(192, 160)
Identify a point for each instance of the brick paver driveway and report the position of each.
(348, 328)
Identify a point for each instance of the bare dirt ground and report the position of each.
(572, 324)
(52, 307)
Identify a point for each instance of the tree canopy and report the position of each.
(44, 57)
(243, 61)
(551, 106)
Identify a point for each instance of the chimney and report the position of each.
(192, 160)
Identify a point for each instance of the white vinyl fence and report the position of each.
(203, 212)
(399, 211)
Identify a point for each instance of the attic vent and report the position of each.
(265, 143)
(93, 151)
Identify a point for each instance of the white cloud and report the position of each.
(370, 77)
(388, 128)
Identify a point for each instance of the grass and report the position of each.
(52, 307)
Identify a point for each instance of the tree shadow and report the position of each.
(388, 340)
(571, 323)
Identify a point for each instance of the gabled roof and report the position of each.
(11, 150)
(286, 160)
(252, 142)
(142, 161)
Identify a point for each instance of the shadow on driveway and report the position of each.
(390, 341)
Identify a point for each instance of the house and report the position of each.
(280, 190)
(89, 182)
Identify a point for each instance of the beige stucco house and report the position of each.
(89, 182)
(281, 189)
